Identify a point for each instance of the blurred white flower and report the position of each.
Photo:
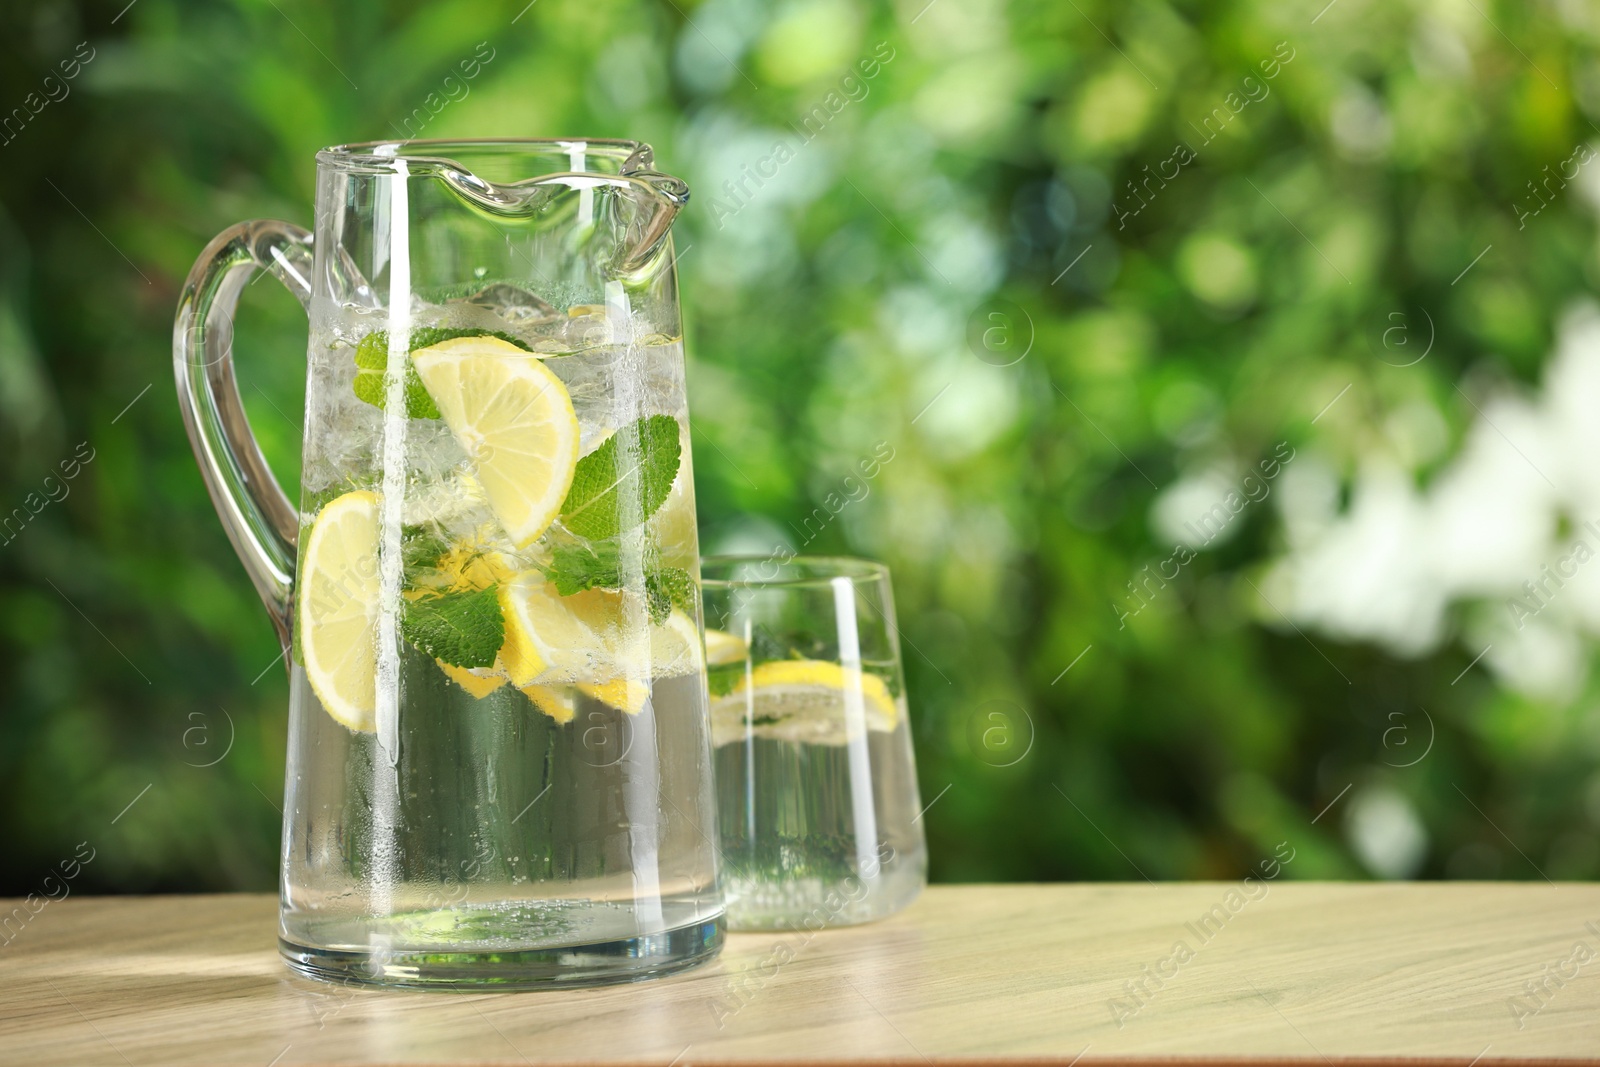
(1544, 660)
(1367, 576)
(1385, 832)
(1571, 386)
(1361, 127)
(1487, 531)
(1179, 514)
(922, 322)
(1308, 498)
(1490, 514)
(969, 406)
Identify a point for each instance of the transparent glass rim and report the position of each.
(367, 155)
(815, 571)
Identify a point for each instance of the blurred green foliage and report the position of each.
(844, 302)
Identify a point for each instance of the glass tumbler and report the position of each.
(816, 785)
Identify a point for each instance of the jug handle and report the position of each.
(260, 520)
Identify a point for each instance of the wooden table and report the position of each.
(1305, 974)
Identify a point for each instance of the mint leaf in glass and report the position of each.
(372, 362)
(420, 548)
(722, 678)
(462, 629)
(624, 481)
(667, 588)
(575, 568)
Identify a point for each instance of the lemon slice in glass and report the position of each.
(624, 694)
(337, 608)
(589, 640)
(554, 701)
(479, 681)
(514, 419)
(808, 701)
(676, 647)
(650, 650)
(551, 638)
(557, 701)
(723, 648)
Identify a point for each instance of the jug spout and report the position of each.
(572, 184)
(663, 196)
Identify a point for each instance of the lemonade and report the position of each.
(498, 728)
(499, 760)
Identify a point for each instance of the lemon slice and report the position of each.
(479, 681)
(676, 647)
(557, 701)
(514, 419)
(465, 567)
(673, 648)
(554, 701)
(337, 610)
(723, 648)
(586, 640)
(807, 701)
(551, 638)
(624, 694)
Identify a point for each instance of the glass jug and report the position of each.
(499, 757)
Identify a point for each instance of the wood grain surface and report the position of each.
(1306, 973)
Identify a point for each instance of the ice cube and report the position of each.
(511, 304)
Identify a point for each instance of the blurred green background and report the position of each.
(1083, 266)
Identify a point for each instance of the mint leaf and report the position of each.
(372, 362)
(420, 548)
(462, 629)
(667, 588)
(574, 568)
(766, 646)
(428, 336)
(721, 678)
(625, 481)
